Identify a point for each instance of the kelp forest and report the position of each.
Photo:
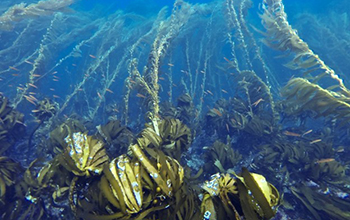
(221, 110)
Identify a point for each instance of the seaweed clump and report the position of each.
(248, 195)
(302, 95)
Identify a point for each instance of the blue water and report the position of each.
(80, 57)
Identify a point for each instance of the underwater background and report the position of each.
(152, 109)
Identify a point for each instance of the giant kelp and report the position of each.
(150, 91)
(281, 36)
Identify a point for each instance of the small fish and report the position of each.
(56, 77)
(209, 92)
(73, 64)
(30, 100)
(56, 96)
(307, 132)
(161, 78)
(15, 74)
(257, 102)
(217, 112)
(19, 122)
(54, 73)
(202, 71)
(326, 160)
(227, 60)
(315, 141)
(110, 91)
(311, 183)
(170, 64)
(224, 91)
(99, 95)
(13, 68)
(20, 88)
(340, 149)
(140, 95)
(32, 93)
(36, 75)
(33, 98)
(185, 72)
(56, 80)
(52, 89)
(35, 110)
(292, 134)
(174, 85)
(115, 110)
(32, 85)
(227, 128)
(233, 121)
(80, 89)
(92, 56)
(27, 61)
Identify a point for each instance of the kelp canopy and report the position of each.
(180, 112)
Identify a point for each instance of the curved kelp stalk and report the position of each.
(281, 36)
(147, 83)
(44, 110)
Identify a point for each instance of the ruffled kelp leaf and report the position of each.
(302, 95)
(246, 202)
(176, 137)
(170, 135)
(262, 191)
(223, 187)
(323, 205)
(223, 155)
(83, 155)
(114, 133)
(331, 171)
(238, 199)
(307, 205)
(9, 169)
(128, 187)
(57, 142)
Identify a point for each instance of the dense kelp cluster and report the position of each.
(173, 115)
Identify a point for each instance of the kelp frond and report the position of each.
(84, 155)
(248, 195)
(281, 36)
(302, 95)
